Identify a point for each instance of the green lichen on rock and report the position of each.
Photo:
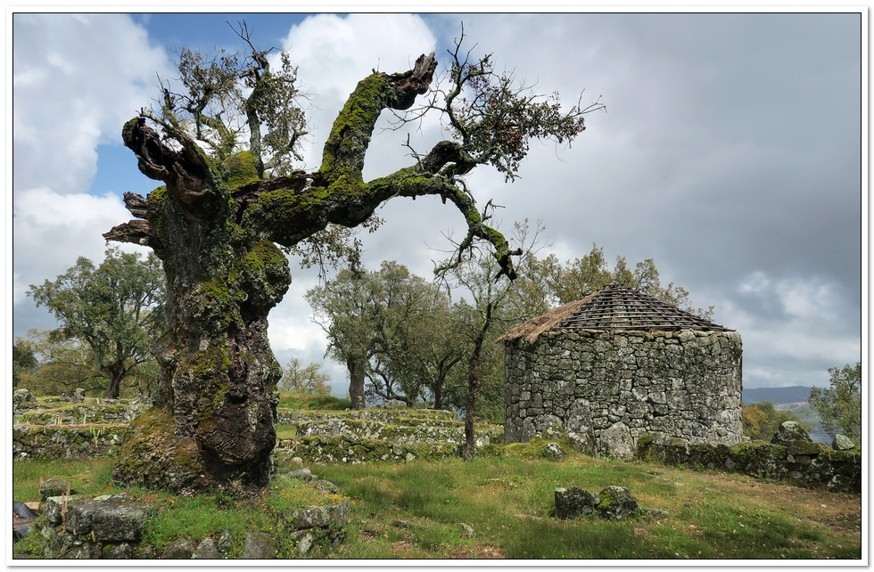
(805, 448)
(617, 503)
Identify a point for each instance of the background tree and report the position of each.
(224, 206)
(115, 310)
(761, 420)
(61, 365)
(24, 361)
(483, 295)
(341, 308)
(411, 317)
(309, 379)
(54, 365)
(548, 282)
(395, 324)
(840, 406)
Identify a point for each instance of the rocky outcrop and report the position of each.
(117, 527)
(788, 432)
(842, 443)
(574, 502)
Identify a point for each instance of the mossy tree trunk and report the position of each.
(214, 225)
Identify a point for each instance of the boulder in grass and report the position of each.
(55, 488)
(842, 443)
(22, 520)
(574, 502)
(790, 431)
(617, 503)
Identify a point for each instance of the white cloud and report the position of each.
(76, 80)
(808, 298)
(52, 230)
(793, 329)
(334, 53)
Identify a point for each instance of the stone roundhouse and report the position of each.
(619, 364)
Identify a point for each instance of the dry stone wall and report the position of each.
(801, 462)
(360, 436)
(605, 389)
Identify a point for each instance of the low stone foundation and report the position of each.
(378, 435)
(66, 441)
(800, 462)
(67, 410)
(69, 427)
(346, 449)
(407, 426)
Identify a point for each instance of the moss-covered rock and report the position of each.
(616, 503)
(804, 448)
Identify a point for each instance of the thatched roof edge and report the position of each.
(532, 329)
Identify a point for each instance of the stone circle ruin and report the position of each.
(617, 365)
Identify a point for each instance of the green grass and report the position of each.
(202, 516)
(286, 431)
(508, 502)
(302, 401)
(416, 510)
(90, 477)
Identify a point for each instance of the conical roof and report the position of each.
(615, 307)
(619, 307)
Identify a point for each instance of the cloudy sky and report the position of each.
(729, 153)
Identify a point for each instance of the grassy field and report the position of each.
(416, 510)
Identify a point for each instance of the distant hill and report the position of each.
(776, 395)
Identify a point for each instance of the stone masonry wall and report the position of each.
(606, 389)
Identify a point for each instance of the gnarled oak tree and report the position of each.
(217, 219)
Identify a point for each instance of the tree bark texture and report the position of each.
(214, 226)
(116, 374)
(356, 367)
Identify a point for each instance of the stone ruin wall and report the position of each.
(606, 389)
